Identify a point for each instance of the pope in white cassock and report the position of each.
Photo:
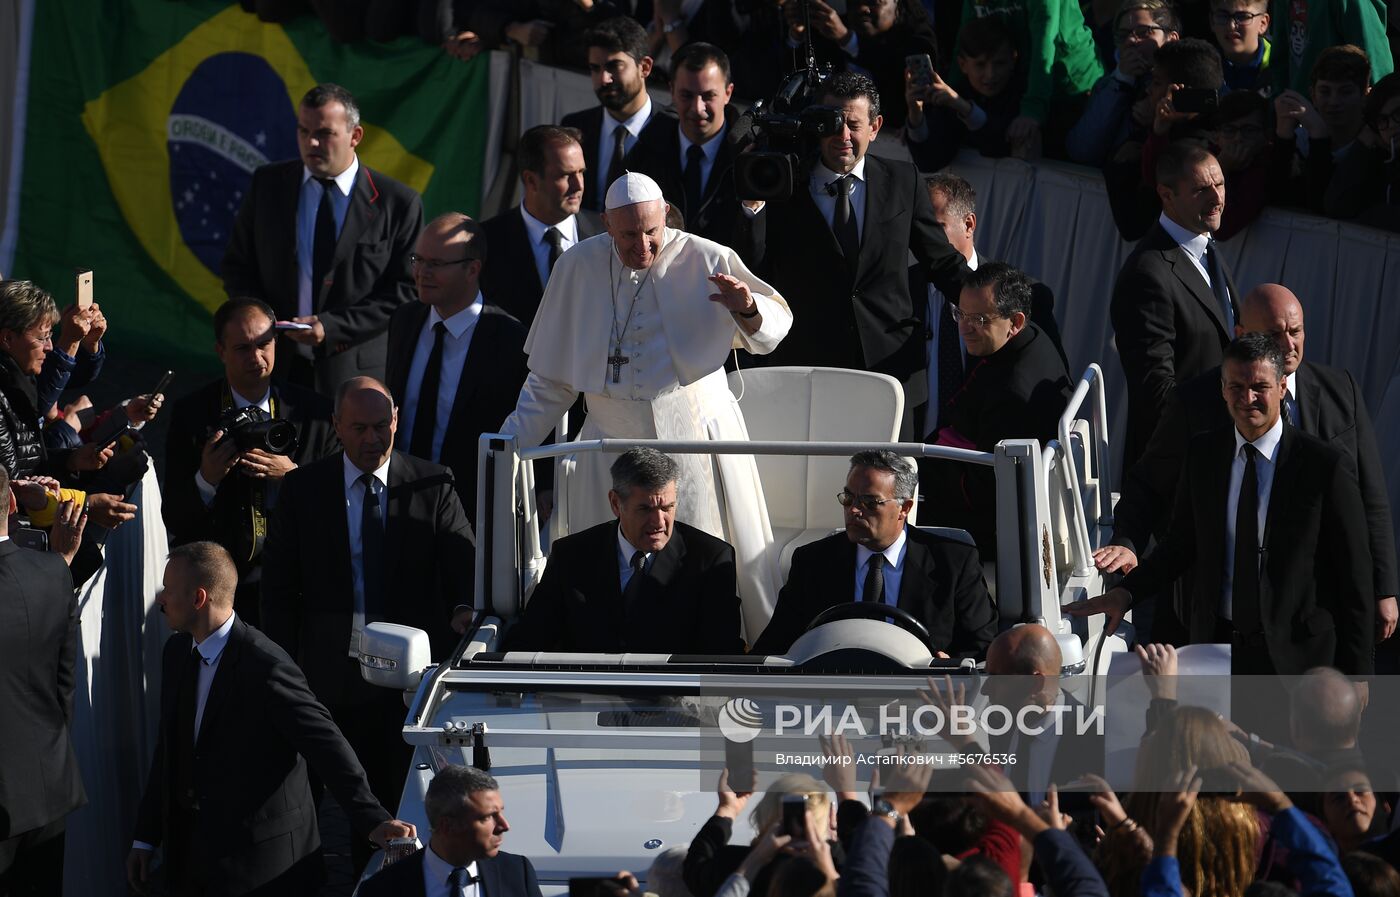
(640, 320)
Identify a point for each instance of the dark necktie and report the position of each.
(372, 548)
(950, 365)
(458, 879)
(874, 591)
(425, 413)
(615, 168)
(843, 220)
(1244, 596)
(555, 239)
(323, 244)
(186, 708)
(634, 584)
(1291, 412)
(694, 190)
(1219, 285)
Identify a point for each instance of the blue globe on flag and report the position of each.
(232, 115)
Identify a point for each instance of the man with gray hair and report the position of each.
(881, 559)
(644, 583)
(467, 815)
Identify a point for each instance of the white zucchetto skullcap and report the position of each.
(631, 189)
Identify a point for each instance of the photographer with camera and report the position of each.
(233, 440)
(841, 241)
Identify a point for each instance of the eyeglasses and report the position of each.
(418, 261)
(978, 321)
(1141, 32)
(867, 503)
(1239, 19)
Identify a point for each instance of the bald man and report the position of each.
(1023, 671)
(227, 798)
(456, 362)
(368, 534)
(1322, 401)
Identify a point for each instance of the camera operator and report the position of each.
(841, 243)
(218, 487)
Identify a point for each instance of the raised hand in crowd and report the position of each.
(66, 534)
(89, 457)
(732, 800)
(839, 774)
(529, 34)
(463, 45)
(217, 459)
(1293, 110)
(1173, 808)
(1158, 669)
(826, 21)
(1166, 115)
(144, 408)
(72, 411)
(945, 698)
(109, 510)
(97, 328)
(32, 493)
(73, 327)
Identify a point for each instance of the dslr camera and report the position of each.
(253, 428)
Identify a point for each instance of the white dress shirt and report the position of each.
(625, 550)
(826, 203)
(207, 489)
(308, 204)
(354, 508)
(894, 568)
(709, 150)
(436, 872)
(536, 229)
(1264, 464)
(938, 318)
(1290, 399)
(455, 344)
(1195, 248)
(634, 127)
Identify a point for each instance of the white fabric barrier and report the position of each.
(1052, 219)
(116, 705)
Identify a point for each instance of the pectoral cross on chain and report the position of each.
(617, 360)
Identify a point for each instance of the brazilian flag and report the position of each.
(146, 118)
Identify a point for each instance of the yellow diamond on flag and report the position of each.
(180, 140)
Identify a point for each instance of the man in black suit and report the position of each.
(881, 559)
(456, 363)
(840, 244)
(954, 204)
(363, 536)
(1174, 305)
(39, 779)
(1319, 400)
(618, 63)
(227, 799)
(527, 240)
(1016, 389)
(644, 584)
(325, 242)
(684, 148)
(464, 807)
(1270, 523)
(215, 491)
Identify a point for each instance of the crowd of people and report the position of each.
(328, 479)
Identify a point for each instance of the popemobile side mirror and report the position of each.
(394, 656)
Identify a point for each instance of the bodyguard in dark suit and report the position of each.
(1319, 400)
(841, 244)
(527, 240)
(366, 535)
(39, 779)
(456, 363)
(227, 800)
(1017, 388)
(464, 807)
(1270, 523)
(880, 558)
(1174, 306)
(213, 491)
(646, 583)
(618, 63)
(325, 242)
(685, 150)
(954, 204)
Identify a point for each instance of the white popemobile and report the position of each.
(605, 760)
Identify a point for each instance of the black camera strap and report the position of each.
(257, 489)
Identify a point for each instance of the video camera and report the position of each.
(783, 131)
(253, 428)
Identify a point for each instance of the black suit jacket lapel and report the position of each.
(222, 685)
(1309, 400)
(1217, 486)
(879, 204)
(286, 199)
(822, 239)
(1285, 473)
(364, 199)
(476, 368)
(337, 530)
(1186, 273)
(402, 353)
(918, 569)
(490, 873)
(398, 499)
(520, 238)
